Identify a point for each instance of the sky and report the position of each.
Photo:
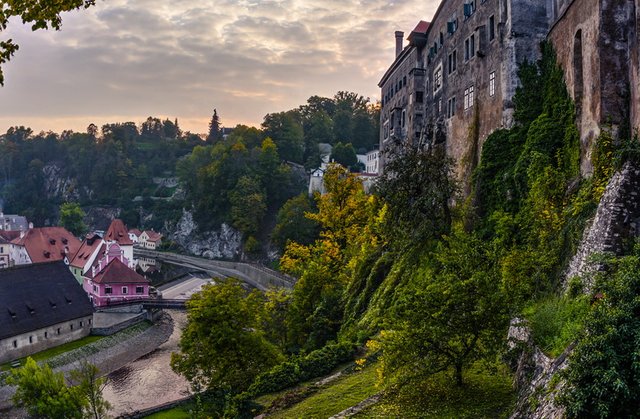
(125, 60)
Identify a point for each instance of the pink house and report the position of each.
(110, 280)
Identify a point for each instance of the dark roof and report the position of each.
(118, 232)
(40, 295)
(117, 272)
(9, 234)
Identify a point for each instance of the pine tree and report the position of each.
(215, 131)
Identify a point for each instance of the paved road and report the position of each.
(185, 289)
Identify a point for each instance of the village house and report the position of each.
(110, 279)
(86, 255)
(12, 222)
(134, 235)
(41, 306)
(44, 244)
(150, 239)
(119, 233)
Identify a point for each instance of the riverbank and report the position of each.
(109, 355)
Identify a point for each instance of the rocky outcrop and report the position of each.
(225, 243)
(616, 221)
(536, 375)
(58, 185)
(99, 218)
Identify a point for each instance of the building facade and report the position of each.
(471, 56)
(41, 306)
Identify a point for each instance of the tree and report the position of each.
(222, 346)
(42, 14)
(72, 218)
(292, 224)
(286, 131)
(603, 376)
(91, 386)
(248, 205)
(215, 131)
(453, 312)
(344, 154)
(44, 393)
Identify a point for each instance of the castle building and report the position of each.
(454, 83)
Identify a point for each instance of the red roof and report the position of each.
(47, 244)
(9, 234)
(136, 232)
(154, 236)
(421, 27)
(117, 272)
(118, 232)
(88, 246)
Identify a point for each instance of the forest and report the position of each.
(242, 178)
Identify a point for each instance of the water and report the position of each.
(149, 381)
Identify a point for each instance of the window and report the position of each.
(452, 60)
(441, 39)
(81, 323)
(437, 79)
(404, 118)
(451, 107)
(15, 343)
(468, 97)
(404, 81)
(419, 97)
(108, 290)
(89, 320)
(492, 29)
(452, 26)
(469, 8)
(125, 290)
(30, 339)
(58, 330)
(439, 106)
(492, 83)
(469, 47)
(71, 326)
(46, 335)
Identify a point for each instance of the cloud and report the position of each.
(182, 58)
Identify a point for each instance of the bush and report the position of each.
(298, 369)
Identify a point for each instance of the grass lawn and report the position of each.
(340, 394)
(486, 394)
(179, 412)
(50, 353)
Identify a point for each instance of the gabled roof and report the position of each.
(117, 272)
(87, 248)
(39, 295)
(135, 231)
(9, 234)
(154, 236)
(46, 244)
(118, 232)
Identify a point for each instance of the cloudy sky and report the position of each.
(124, 60)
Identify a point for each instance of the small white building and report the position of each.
(150, 239)
(372, 161)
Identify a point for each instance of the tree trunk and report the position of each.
(458, 375)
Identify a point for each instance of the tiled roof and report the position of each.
(117, 272)
(47, 244)
(87, 248)
(37, 296)
(421, 27)
(136, 232)
(118, 232)
(154, 236)
(9, 234)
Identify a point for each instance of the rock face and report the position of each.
(225, 243)
(99, 218)
(616, 221)
(535, 375)
(57, 185)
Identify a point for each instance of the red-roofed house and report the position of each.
(111, 280)
(45, 244)
(150, 239)
(86, 255)
(134, 235)
(119, 233)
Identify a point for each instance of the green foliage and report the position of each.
(91, 385)
(71, 218)
(293, 225)
(44, 393)
(344, 154)
(221, 346)
(556, 321)
(453, 313)
(603, 376)
(302, 368)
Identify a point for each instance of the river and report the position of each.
(149, 381)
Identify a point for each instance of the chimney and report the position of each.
(399, 42)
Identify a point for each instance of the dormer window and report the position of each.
(52, 241)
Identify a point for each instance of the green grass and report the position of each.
(556, 321)
(486, 394)
(51, 352)
(333, 398)
(179, 412)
